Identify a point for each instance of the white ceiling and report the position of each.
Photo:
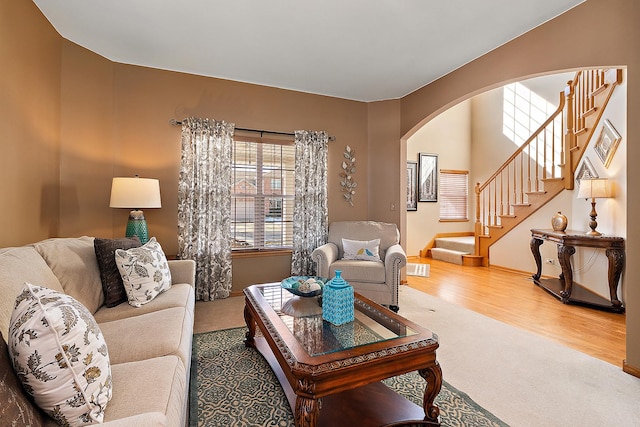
(365, 50)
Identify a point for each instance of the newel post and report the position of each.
(569, 136)
(478, 225)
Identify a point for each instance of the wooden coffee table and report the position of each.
(331, 374)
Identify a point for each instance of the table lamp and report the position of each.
(136, 193)
(594, 189)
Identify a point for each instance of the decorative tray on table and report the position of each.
(304, 286)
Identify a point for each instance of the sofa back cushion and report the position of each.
(363, 230)
(17, 266)
(73, 261)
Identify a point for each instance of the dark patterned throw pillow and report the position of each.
(112, 285)
(17, 408)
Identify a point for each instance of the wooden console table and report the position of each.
(563, 287)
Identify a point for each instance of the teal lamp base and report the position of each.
(137, 226)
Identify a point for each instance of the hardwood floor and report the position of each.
(514, 299)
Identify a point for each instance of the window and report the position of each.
(262, 196)
(524, 111)
(454, 195)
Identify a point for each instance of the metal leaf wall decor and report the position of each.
(347, 184)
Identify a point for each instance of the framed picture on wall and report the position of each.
(607, 143)
(412, 185)
(585, 171)
(428, 177)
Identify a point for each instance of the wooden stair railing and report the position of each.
(545, 163)
(587, 96)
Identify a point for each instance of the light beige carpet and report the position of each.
(522, 378)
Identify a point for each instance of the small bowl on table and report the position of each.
(304, 286)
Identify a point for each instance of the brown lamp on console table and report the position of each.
(563, 287)
(594, 188)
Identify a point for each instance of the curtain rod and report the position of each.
(175, 122)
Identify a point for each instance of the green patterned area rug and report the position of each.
(232, 385)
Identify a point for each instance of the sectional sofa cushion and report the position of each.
(17, 266)
(149, 393)
(112, 285)
(179, 295)
(73, 261)
(156, 334)
(145, 272)
(17, 408)
(60, 355)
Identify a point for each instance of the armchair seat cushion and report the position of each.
(359, 271)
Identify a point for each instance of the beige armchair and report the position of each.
(377, 280)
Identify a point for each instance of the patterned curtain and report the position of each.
(204, 204)
(310, 214)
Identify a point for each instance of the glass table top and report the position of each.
(303, 317)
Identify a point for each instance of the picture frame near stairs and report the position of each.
(607, 143)
(585, 171)
(412, 185)
(428, 177)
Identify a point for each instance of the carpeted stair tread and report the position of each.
(447, 255)
(465, 244)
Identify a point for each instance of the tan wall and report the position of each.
(384, 132)
(127, 132)
(88, 145)
(29, 112)
(595, 33)
(72, 120)
(146, 99)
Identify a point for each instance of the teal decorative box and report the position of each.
(337, 301)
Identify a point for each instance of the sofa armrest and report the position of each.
(183, 271)
(394, 260)
(324, 256)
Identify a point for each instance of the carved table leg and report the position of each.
(307, 410)
(251, 325)
(535, 250)
(433, 376)
(616, 263)
(564, 257)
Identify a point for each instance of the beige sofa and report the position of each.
(149, 347)
(378, 281)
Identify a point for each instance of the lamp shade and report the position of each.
(594, 188)
(135, 193)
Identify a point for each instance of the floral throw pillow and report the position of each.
(145, 272)
(60, 356)
(367, 250)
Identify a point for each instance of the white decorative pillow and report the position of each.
(145, 272)
(60, 356)
(362, 250)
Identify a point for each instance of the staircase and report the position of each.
(545, 163)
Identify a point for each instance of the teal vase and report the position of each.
(337, 301)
